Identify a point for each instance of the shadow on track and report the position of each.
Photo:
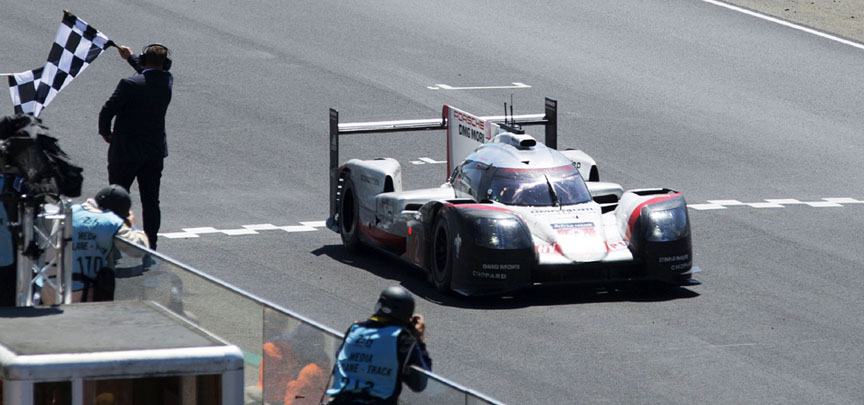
(388, 267)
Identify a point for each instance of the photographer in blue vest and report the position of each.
(377, 354)
(95, 224)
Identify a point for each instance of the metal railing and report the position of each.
(288, 357)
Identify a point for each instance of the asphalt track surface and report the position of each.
(681, 94)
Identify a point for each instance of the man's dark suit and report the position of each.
(138, 144)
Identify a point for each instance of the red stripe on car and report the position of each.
(382, 238)
(638, 211)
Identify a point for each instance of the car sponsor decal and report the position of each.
(465, 119)
(457, 244)
(589, 231)
(613, 246)
(554, 248)
(488, 275)
(573, 225)
(681, 266)
(676, 263)
(495, 271)
(556, 211)
(464, 133)
(500, 266)
(476, 135)
(667, 259)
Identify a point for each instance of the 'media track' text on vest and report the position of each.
(368, 362)
(92, 240)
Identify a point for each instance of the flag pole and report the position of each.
(7, 74)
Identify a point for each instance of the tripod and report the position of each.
(44, 249)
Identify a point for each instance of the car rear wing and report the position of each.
(549, 119)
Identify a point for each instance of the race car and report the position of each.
(513, 212)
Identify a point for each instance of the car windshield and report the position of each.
(539, 187)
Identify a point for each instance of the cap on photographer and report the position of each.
(368, 370)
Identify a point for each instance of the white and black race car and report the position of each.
(513, 213)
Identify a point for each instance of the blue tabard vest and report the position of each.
(7, 253)
(92, 240)
(368, 362)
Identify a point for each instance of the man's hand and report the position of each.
(130, 220)
(125, 52)
(419, 327)
(107, 138)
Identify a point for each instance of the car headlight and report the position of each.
(501, 233)
(666, 225)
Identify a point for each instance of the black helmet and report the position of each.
(114, 198)
(395, 302)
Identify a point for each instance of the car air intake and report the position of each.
(520, 141)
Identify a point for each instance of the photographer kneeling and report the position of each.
(376, 355)
(95, 224)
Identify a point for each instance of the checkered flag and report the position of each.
(76, 45)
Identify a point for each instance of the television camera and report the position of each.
(30, 155)
(34, 171)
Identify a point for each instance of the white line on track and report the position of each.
(311, 226)
(426, 160)
(695, 348)
(516, 85)
(774, 203)
(187, 233)
(786, 23)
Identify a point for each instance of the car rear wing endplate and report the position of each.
(549, 119)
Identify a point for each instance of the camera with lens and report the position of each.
(31, 155)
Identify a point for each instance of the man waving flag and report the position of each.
(75, 46)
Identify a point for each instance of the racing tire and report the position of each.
(349, 217)
(441, 266)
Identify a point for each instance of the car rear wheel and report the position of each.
(349, 218)
(442, 255)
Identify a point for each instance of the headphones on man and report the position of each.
(165, 65)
